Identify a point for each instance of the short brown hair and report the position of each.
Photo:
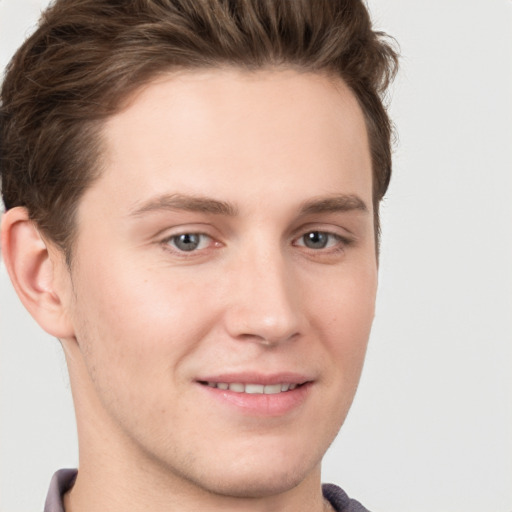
(88, 55)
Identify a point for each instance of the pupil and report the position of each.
(187, 242)
(315, 240)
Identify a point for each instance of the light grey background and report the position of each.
(431, 428)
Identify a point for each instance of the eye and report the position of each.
(319, 240)
(188, 242)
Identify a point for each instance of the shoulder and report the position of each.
(338, 498)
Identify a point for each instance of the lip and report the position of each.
(258, 378)
(262, 405)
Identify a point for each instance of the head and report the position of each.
(200, 182)
(87, 58)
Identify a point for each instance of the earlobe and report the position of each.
(34, 271)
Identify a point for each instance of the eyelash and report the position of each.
(335, 243)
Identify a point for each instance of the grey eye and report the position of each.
(187, 241)
(316, 240)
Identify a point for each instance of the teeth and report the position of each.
(272, 389)
(254, 389)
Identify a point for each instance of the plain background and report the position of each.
(431, 427)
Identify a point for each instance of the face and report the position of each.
(224, 278)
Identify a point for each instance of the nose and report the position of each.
(264, 305)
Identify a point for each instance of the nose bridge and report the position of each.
(264, 305)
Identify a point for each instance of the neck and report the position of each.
(110, 485)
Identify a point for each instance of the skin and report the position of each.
(255, 164)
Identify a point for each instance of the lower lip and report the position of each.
(259, 404)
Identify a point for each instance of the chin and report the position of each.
(254, 484)
(256, 474)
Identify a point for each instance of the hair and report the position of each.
(88, 56)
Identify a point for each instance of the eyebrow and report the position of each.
(189, 203)
(333, 204)
(200, 204)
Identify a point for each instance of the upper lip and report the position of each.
(258, 378)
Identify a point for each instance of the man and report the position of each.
(192, 193)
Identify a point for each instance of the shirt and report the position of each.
(64, 479)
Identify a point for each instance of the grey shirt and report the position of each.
(64, 479)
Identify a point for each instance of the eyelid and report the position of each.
(175, 229)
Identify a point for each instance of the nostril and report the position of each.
(269, 340)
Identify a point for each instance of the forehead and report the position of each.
(233, 131)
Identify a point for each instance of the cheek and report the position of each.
(134, 325)
(347, 316)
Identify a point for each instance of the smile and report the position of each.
(254, 389)
(253, 394)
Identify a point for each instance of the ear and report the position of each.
(38, 272)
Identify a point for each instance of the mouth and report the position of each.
(258, 395)
(253, 388)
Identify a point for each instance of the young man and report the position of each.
(192, 192)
